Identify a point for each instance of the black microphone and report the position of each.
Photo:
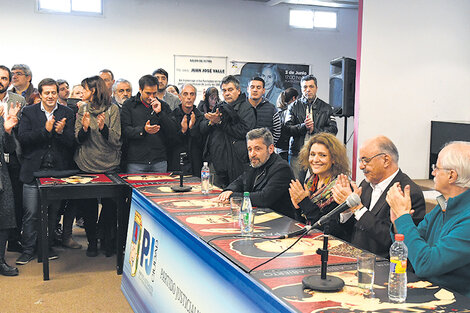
(352, 200)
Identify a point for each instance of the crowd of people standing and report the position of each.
(286, 155)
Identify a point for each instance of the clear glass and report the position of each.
(235, 205)
(366, 271)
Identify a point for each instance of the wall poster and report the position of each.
(201, 71)
(277, 76)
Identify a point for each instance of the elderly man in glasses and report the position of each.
(439, 247)
(369, 222)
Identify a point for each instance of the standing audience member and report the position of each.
(226, 127)
(439, 247)
(210, 99)
(98, 133)
(77, 92)
(307, 116)
(286, 97)
(172, 100)
(64, 91)
(108, 78)
(21, 79)
(75, 97)
(9, 100)
(122, 90)
(189, 138)
(265, 110)
(7, 206)
(173, 90)
(324, 158)
(46, 136)
(268, 178)
(369, 222)
(148, 128)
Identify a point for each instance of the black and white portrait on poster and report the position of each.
(277, 76)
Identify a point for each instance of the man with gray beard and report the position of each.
(122, 90)
(267, 179)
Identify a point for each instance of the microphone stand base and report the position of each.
(315, 282)
(181, 188)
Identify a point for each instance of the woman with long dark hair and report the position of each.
(283, 101)
(98, 133)
(211, 98)
(7, 204)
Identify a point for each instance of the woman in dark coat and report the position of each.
(7, 204)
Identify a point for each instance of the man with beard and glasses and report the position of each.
(268, 178)
(172, 100)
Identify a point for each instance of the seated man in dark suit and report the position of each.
(369, 222)
(268, 178)
(46, 135)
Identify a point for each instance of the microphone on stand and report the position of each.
(352, 201)
(181, 188)
(325, 282)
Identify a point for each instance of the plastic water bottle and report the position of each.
(397, 279)
(246, 215)
(205, 178)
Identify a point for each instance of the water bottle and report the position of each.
(397, 279)
(246, 215)
(205, 178)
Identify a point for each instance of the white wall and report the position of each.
(415, 67)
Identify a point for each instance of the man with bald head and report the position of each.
(369, 222)
(188, 139)
(439, 247)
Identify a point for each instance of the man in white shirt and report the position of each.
(369, 222)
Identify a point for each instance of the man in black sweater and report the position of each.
(268, 178)
(148, 129)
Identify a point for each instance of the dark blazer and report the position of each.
(268, 186)
(372, 230)
(36, 141)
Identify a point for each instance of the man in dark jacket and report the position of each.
(188, 138)
(369, 223)
(268, 178)
(226, 127)
(308, 115)
(148, 129)
(46, 134)
(265, 110)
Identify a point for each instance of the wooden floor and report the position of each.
(77, 284)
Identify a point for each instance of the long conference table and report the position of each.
(184, 253)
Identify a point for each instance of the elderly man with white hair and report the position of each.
(439, 247)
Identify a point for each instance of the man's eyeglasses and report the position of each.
(434, 167)
(366, 161)
(17, 74)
